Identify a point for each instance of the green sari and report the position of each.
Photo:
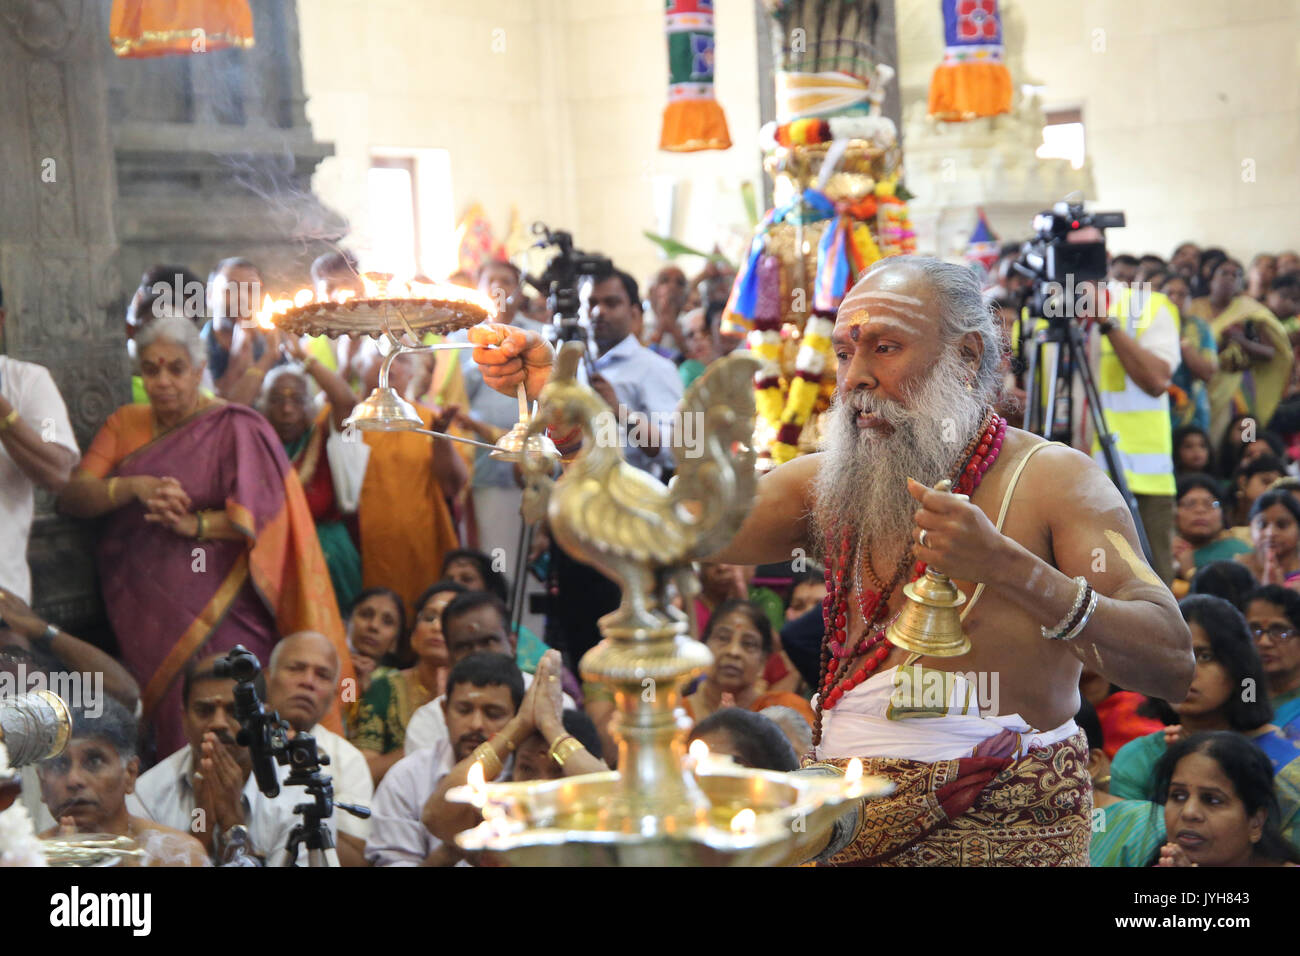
(384, 711)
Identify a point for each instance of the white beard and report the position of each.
(861, 485)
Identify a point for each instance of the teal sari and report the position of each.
(1128, 833)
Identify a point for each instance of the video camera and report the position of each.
(264, 734)
(1057, 265)
(559, 283)
(267, 738)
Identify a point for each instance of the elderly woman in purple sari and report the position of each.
(207, 541)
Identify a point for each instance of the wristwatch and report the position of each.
(46, 638)
(232, 842)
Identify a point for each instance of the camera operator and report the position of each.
(630, 375)
(1139, 351)
(206, 788)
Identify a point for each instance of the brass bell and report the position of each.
(511, 445)
(384, 411)
(930, 623)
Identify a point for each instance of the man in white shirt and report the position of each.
(207, 788)
(484, 692)
(478, 622)
(301, 678)
(36, 448)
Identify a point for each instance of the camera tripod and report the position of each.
(1042, 393)
(312, 830)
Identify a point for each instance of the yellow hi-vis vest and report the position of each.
(1144, 443)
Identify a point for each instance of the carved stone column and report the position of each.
(58, 252)
(214, 157)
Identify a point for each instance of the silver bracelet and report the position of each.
(1083, 621)
(1057, 632)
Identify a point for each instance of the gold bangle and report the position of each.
(564, 748)
(485, 755)
(198, 533)
(254, 370)
(112, 490)
(7, 422)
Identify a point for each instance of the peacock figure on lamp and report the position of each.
(661, 807)
(626, 523)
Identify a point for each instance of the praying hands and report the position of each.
(170, 506)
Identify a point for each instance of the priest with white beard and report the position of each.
(1036, 536)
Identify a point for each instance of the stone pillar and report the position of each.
(112, 166)
(214, 157)
(58, 252)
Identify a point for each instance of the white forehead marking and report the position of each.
(894, 297)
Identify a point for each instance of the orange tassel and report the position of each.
(967, 91)
(691, 125)
(147, 28)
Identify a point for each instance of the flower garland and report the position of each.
(879, 131)
(805, 388)
(847, 248)
(18, 843)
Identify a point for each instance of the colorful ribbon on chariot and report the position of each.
(810, 206)
(845, 251)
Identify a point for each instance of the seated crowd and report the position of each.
(372, 578)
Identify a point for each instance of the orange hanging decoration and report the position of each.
(146, 28)
(693, 119)
(972, 81)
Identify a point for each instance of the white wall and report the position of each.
(1178, 98)
(399, 76)
(564, 124)
(616, 79)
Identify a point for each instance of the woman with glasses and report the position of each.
(1275, 531)
(1273, 614)
(1228, 693)
(1200, 536)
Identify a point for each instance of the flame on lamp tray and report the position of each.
(744, 821)
(853, 772)
(476, 782)
(377, 285)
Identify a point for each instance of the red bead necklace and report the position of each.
(873, 647)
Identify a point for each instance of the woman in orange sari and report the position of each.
(404, 515)
(740, 637)
(208, 542)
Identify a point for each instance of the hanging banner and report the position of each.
(693, 120)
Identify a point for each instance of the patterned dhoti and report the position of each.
(1034, 810)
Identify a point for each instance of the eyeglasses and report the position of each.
(1276, 632)
(1199, 504)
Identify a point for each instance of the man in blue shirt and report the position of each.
(649, 389)
(643, 382)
